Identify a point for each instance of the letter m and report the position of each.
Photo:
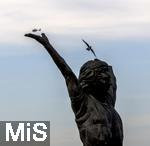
(9, 130)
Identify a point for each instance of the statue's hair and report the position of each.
(98, 64)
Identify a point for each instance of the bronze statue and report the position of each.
(93, 97)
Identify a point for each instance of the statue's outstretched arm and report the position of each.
(71, 80)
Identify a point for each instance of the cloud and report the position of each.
(138, 121)
(103, 19)
(136, 130)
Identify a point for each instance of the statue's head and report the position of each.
(96, 77)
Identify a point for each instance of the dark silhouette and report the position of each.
(89, 48)
(35, 29)
(93, 97)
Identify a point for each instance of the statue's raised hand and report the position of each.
(41, 39)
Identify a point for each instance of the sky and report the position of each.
(32, 87)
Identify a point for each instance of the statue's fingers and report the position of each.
(36, 37)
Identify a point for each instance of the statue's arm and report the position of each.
(71, 80)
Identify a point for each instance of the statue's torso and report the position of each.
(94, 119)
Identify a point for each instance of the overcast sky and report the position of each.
(31, 86)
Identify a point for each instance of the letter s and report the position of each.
(35, 128)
